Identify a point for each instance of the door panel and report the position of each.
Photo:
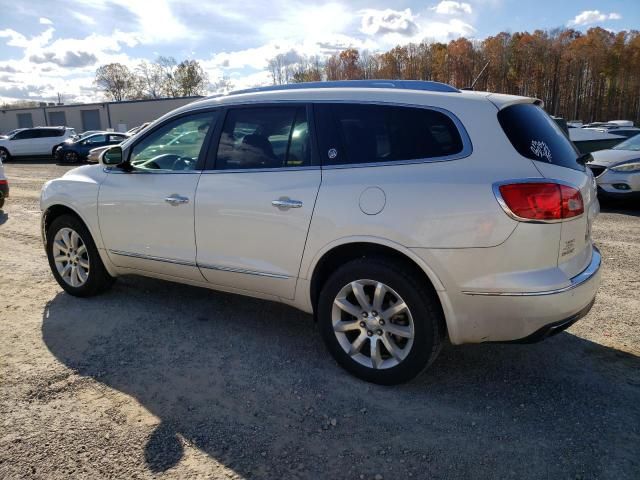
(246, 242)
(143, 231)
(253, 212)
(147, 215)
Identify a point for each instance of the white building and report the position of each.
(119, 116)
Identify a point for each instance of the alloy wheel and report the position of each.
(71, 257)
(372, 324)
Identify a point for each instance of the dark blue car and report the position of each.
(76, 150)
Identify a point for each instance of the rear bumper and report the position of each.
(523, 316)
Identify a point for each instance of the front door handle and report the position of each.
(285, 203)
(175, 200)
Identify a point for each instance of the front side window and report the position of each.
(96, 139)
(24, 135)
(361, 133)
(175, 145)
(117, 138)
(264, 137)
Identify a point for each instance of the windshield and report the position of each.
(632, 144)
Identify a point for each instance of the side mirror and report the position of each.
(112, 156)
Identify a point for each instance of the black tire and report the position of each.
(423, 305)
(1, 200)
(7, 158)
(98, 279)
(71, 157)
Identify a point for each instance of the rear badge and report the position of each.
(332, 153)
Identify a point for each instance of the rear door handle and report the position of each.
(285, 203)
(176, 200)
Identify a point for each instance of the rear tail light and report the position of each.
(540, 201)
(3, 182)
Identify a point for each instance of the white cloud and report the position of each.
(589, 17)
(85, 19)
(448, 7)
(45, 21)
(380, 22)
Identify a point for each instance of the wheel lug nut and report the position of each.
(362, 324)
(381, 321)
(379, 332)
(369, 333)
(365, 314)
(374, 313)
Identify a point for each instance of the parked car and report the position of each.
(11, 132)
(398, 213)
(589, 140)
(34, 142)
(75, 151)
(617, 170)
(4, 186)
(626, 132)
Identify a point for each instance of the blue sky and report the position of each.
(50, 47)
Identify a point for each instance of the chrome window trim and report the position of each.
(200, 265)
(258, 170)
(582, 277)
(496, 192)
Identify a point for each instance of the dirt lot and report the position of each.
(155, 379)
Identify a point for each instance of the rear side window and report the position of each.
(264, 137)
(535, 135)
(361, 133)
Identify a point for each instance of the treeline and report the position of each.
(590, 76)
(164, 77)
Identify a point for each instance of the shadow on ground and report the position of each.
(249, 383)
(4, 216)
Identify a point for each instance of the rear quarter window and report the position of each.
(535, 135)
(367, 133)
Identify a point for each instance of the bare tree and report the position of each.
(151, 79)
(222, 85)
(117, 81)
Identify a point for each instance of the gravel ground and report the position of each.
(155, 379)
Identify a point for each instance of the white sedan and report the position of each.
(617, 170)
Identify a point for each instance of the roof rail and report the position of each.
(398, 84)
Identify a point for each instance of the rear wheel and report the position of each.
(74, 259)
(5, 156)
(379, 322)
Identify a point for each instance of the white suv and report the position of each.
(34, 142)
(398, 213)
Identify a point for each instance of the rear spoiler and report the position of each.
(502, 101)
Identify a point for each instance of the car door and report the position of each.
(44, 142)
(146, 215)
(22, 142)
(254, 208)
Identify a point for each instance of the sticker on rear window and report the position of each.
(540, 149)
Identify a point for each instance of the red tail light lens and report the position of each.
(542, 201)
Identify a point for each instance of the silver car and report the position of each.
(400, 214)
(617, 171)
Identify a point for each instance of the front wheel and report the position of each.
(71, 157)
(379, 321)
(74, 259)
